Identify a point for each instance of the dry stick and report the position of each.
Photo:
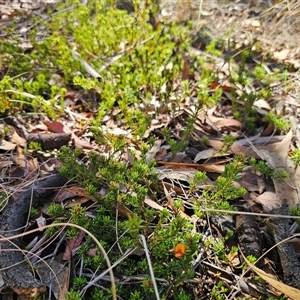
(34, 292)
(143, 240)
(112, 278)
(18, 277)
(13, 218)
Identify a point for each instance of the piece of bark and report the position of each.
(14, 269)
(249, 235)
(50, 141)
(289, 259)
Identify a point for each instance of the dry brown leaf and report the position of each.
(58, 277)
(269, 201)
(81, 144)
(263, 104)
(170, 186)
(153, 151)
(7, 146)
(228, 123)
(268, 130)
(153, 204)
(215, 144)
(179, 157)
(79, 195)
(170, 204)
(78, 201)
(203, 167)
(234, 259)
(296, 243)
(59, 127)
(251, 181)
(63, 195)
(124, 211)
(183, 174)
(73, 246)
(253, 147)
(207, 153)
(79, 191)
(285, 289)
(282, 55)
(160, 155)
(18, 140)
(279, 160)
(38, 128)
(24, 162)
(55, 126)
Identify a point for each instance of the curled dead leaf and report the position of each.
(269, 201)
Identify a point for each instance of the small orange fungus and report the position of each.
(179, 250)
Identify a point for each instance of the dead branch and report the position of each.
(14, 269)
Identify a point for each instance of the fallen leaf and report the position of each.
(296, 243)
(7, 146)
(278, 160)
(208, 153)
(228, 123)
(285, 289)
(27, 163)
(81, 144)
(77, 201)
(161, 154)
(183, 174)
(181, 212)
(41, 221)
(55, 126)
(213, 168)
(153, 151)
(251, 181)
(72, 246)
(269, 201)
(256, 23)
(263, 104)
(15, 138)
(79, 191)
(281, 55)
(186, 74)
(55, 275)
(153, 204)
(38, 128)
(124, 211)
(215, 85)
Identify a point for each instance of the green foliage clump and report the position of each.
(295, 156)
(146, 60)
(279, 123)
(224, 190)
(128, 187)
(130, 60)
